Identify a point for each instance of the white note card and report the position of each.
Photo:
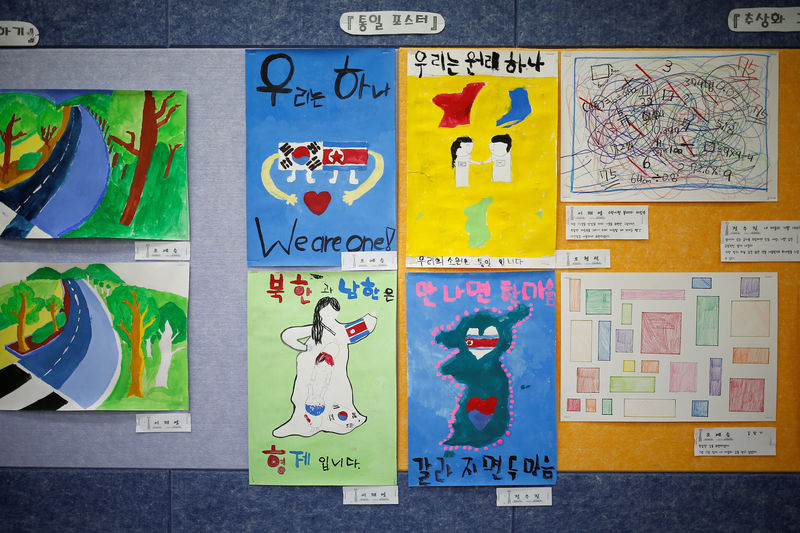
(370, 495)
(583, 259)
(164, 423)
(369, 260)
(524, 496)
(737, 442)
(161, 251)
(759, 240)
(764, 19)
(610, 222)
(391, 22)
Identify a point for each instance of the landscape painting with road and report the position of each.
(78, 163)
(94, 337)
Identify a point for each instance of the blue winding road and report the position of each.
(84, 359)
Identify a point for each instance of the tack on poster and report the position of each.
(322, 398)
(669, 347)
(79, 163)
(481, 378)
(94, 337)
(320, 155)
(643, 126)
(481, 136)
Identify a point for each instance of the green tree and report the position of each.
(20, 116)
(22, 307)
(53, 305)
(135, 316)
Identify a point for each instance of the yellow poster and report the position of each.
(481, 152)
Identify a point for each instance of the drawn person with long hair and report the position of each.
(461, 154)
(323, 395)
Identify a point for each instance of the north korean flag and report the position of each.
(356, 330)
(342, 155)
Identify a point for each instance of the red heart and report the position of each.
(317, 202)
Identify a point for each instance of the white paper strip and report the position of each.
(369, 260)
(760, 240)
(370, 495)
(391, 22)
(738, 441)
(164, 423)
(622, 222)
(528, 496)
(161, 251)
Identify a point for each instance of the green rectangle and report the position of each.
(632, 384)
(627, 314)
(707, 321)
(607, 406)
(598, 301)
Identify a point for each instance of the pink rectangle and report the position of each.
(573, 404)
(652, 294)
(574, 295)
(683, 377)
(661, 333)
(746, 395)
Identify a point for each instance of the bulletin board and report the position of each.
(684, 237)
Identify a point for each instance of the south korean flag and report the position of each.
(300, 156)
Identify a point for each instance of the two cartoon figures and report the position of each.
(500, 150)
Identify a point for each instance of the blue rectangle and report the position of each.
(299, 211)
(604, 340)
(481, 379)
(700, 408)
(701, 283)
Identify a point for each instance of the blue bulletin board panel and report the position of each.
(96, 474)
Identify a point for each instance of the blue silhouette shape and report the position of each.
(519, 110)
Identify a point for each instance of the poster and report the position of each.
(481, 378)
(79, 163)
(645, 126)
(481, 135)
(669, 347)
(322, 400)
(320, 155)
(94, 337)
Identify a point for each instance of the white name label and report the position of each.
(760, 240)
(372, 495)
(607, 222)
(390, 22)
(164, 422)
(161, 250)
(369, 260)
(583, 258)
(764, 19)
(738, 441)
(18, 33)
(528, 496)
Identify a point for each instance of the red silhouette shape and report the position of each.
(486, 406)
(457, 106)
(317, 203)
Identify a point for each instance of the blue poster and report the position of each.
(321, 171)
(481, 378)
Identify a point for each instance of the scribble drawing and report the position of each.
(670, 126)
(322, 394)
(484, 408)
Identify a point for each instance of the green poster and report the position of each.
(322, 399)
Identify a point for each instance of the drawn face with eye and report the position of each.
(328, 313)
(465, 149)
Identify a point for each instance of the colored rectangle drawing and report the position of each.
(687, 346)
(478, 141)
(662, 126)
(707, 331)
(632, 384)
(482, 381)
